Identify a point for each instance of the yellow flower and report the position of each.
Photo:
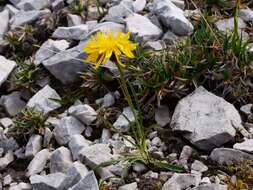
(103, 46)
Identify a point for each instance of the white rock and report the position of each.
(6, 122)
(26, 17)
(74, 20)
(181, 181)
(118, 12)
(246, 146)
(67, 127)
(74, 174)
(38, 163)
(42, 100)
(7, 180)
(66, 65)
(172, 17)
(228, 24)
(142, 27)
(227, 156)
(199, 166)
(96, 154)
(47, 182)
(6, 160)
(162, 116)
(12, 103)
(179, 3)
(208, 121)
(71, 33)
(50, 48)
(211, 187)
(85, 113)
(130, 186)
(104, 27)
(60, 160)
(246, 15)
(33, 146)
(88, 182)
(155, 45)
(77, 143)
(122, 123)
(139, 5)
(4, 22)
(12, 10)
(28, 5)
(6, 67)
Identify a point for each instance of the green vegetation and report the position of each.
(28, 121)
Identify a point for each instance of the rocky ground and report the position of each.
(53, 108)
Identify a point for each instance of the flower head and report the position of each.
(103, 46)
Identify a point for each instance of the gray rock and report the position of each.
(8, 144)
(139, 5)
(6, 160)
(227, 156)
(76, 143)
(6, 67)
(172, 17)
(96, 154)
(246, 146)
(14, 2)
(228, 24)
(28, 5)
(12, 103)
(26, 17)
(181, 181)
(71, 33)
(66, 65)
(85, 113)
(74, 20)
(43, 100)
(33, 146)
(50, 48)
(67, 127)
(246, 15)
(130, 186)
(4, 22)
(199, 166)
(208, 121)
(211, 187)
(162, 116)
(47, 182)
(122, 123)
(47, 137)
(38, 163)
(74, 174)
(142, 27)
(60, 160)
(88, 182)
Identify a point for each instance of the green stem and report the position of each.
(140, 139)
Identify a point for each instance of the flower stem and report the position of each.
(140, 138)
